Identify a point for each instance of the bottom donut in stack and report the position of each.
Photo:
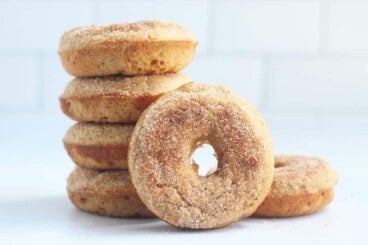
(100, 184)
(108, 192)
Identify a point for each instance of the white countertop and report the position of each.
(34, 208)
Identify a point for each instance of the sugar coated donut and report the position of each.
(101, 146)
(302, 185)
(109, 193)
(115, 99)
(167, 134)
(146, 47)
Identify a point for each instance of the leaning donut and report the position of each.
(169, 131)
(302, 185)
(146, 47)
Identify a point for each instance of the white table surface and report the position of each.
(34, 208)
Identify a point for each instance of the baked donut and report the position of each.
(145, 47)
(115, 99)
(109, 193)
(99, 146)
(167, 134)
(302, 185)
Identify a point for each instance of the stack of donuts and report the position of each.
(120, 70)
(139, 122)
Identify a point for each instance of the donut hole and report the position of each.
(204, 160)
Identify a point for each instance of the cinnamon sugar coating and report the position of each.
(169, 131)
(108, 193)
(146, 47)
(99, 146)
(115, 99)
(302, 185)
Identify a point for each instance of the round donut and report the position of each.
(141, 48)
(115, 99)
(167, 134)
(108, 193)
(99, 146)
(302, 185)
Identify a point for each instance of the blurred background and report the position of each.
(302, 63)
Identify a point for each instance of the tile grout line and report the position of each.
(23, 53)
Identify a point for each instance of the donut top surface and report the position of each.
(94, 133)
(139, 31)
(204, 95)
(299, 174)
(122, 85)
(169, 131)
(104, 181)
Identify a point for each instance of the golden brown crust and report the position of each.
(140, 48)
(294, 205)
(99, 146)
(302, 185)
(107, 193)
(115, 98)
(167, 134)
(128, 58)
(104, 157)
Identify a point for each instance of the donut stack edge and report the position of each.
(119, 71)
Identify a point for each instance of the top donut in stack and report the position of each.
(142, 48)
(120, 70)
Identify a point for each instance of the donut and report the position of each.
(115, 99)
(99, 146)
(108, 193)
(302, 185)
(141, 48)
(167, 134)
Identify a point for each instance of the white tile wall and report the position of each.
(303, 56)
(317, 83)
(271, 26)
(191, 14)
(38, 25)
(54, 80)
(239, 74)
(347, 26)
(19, 83)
